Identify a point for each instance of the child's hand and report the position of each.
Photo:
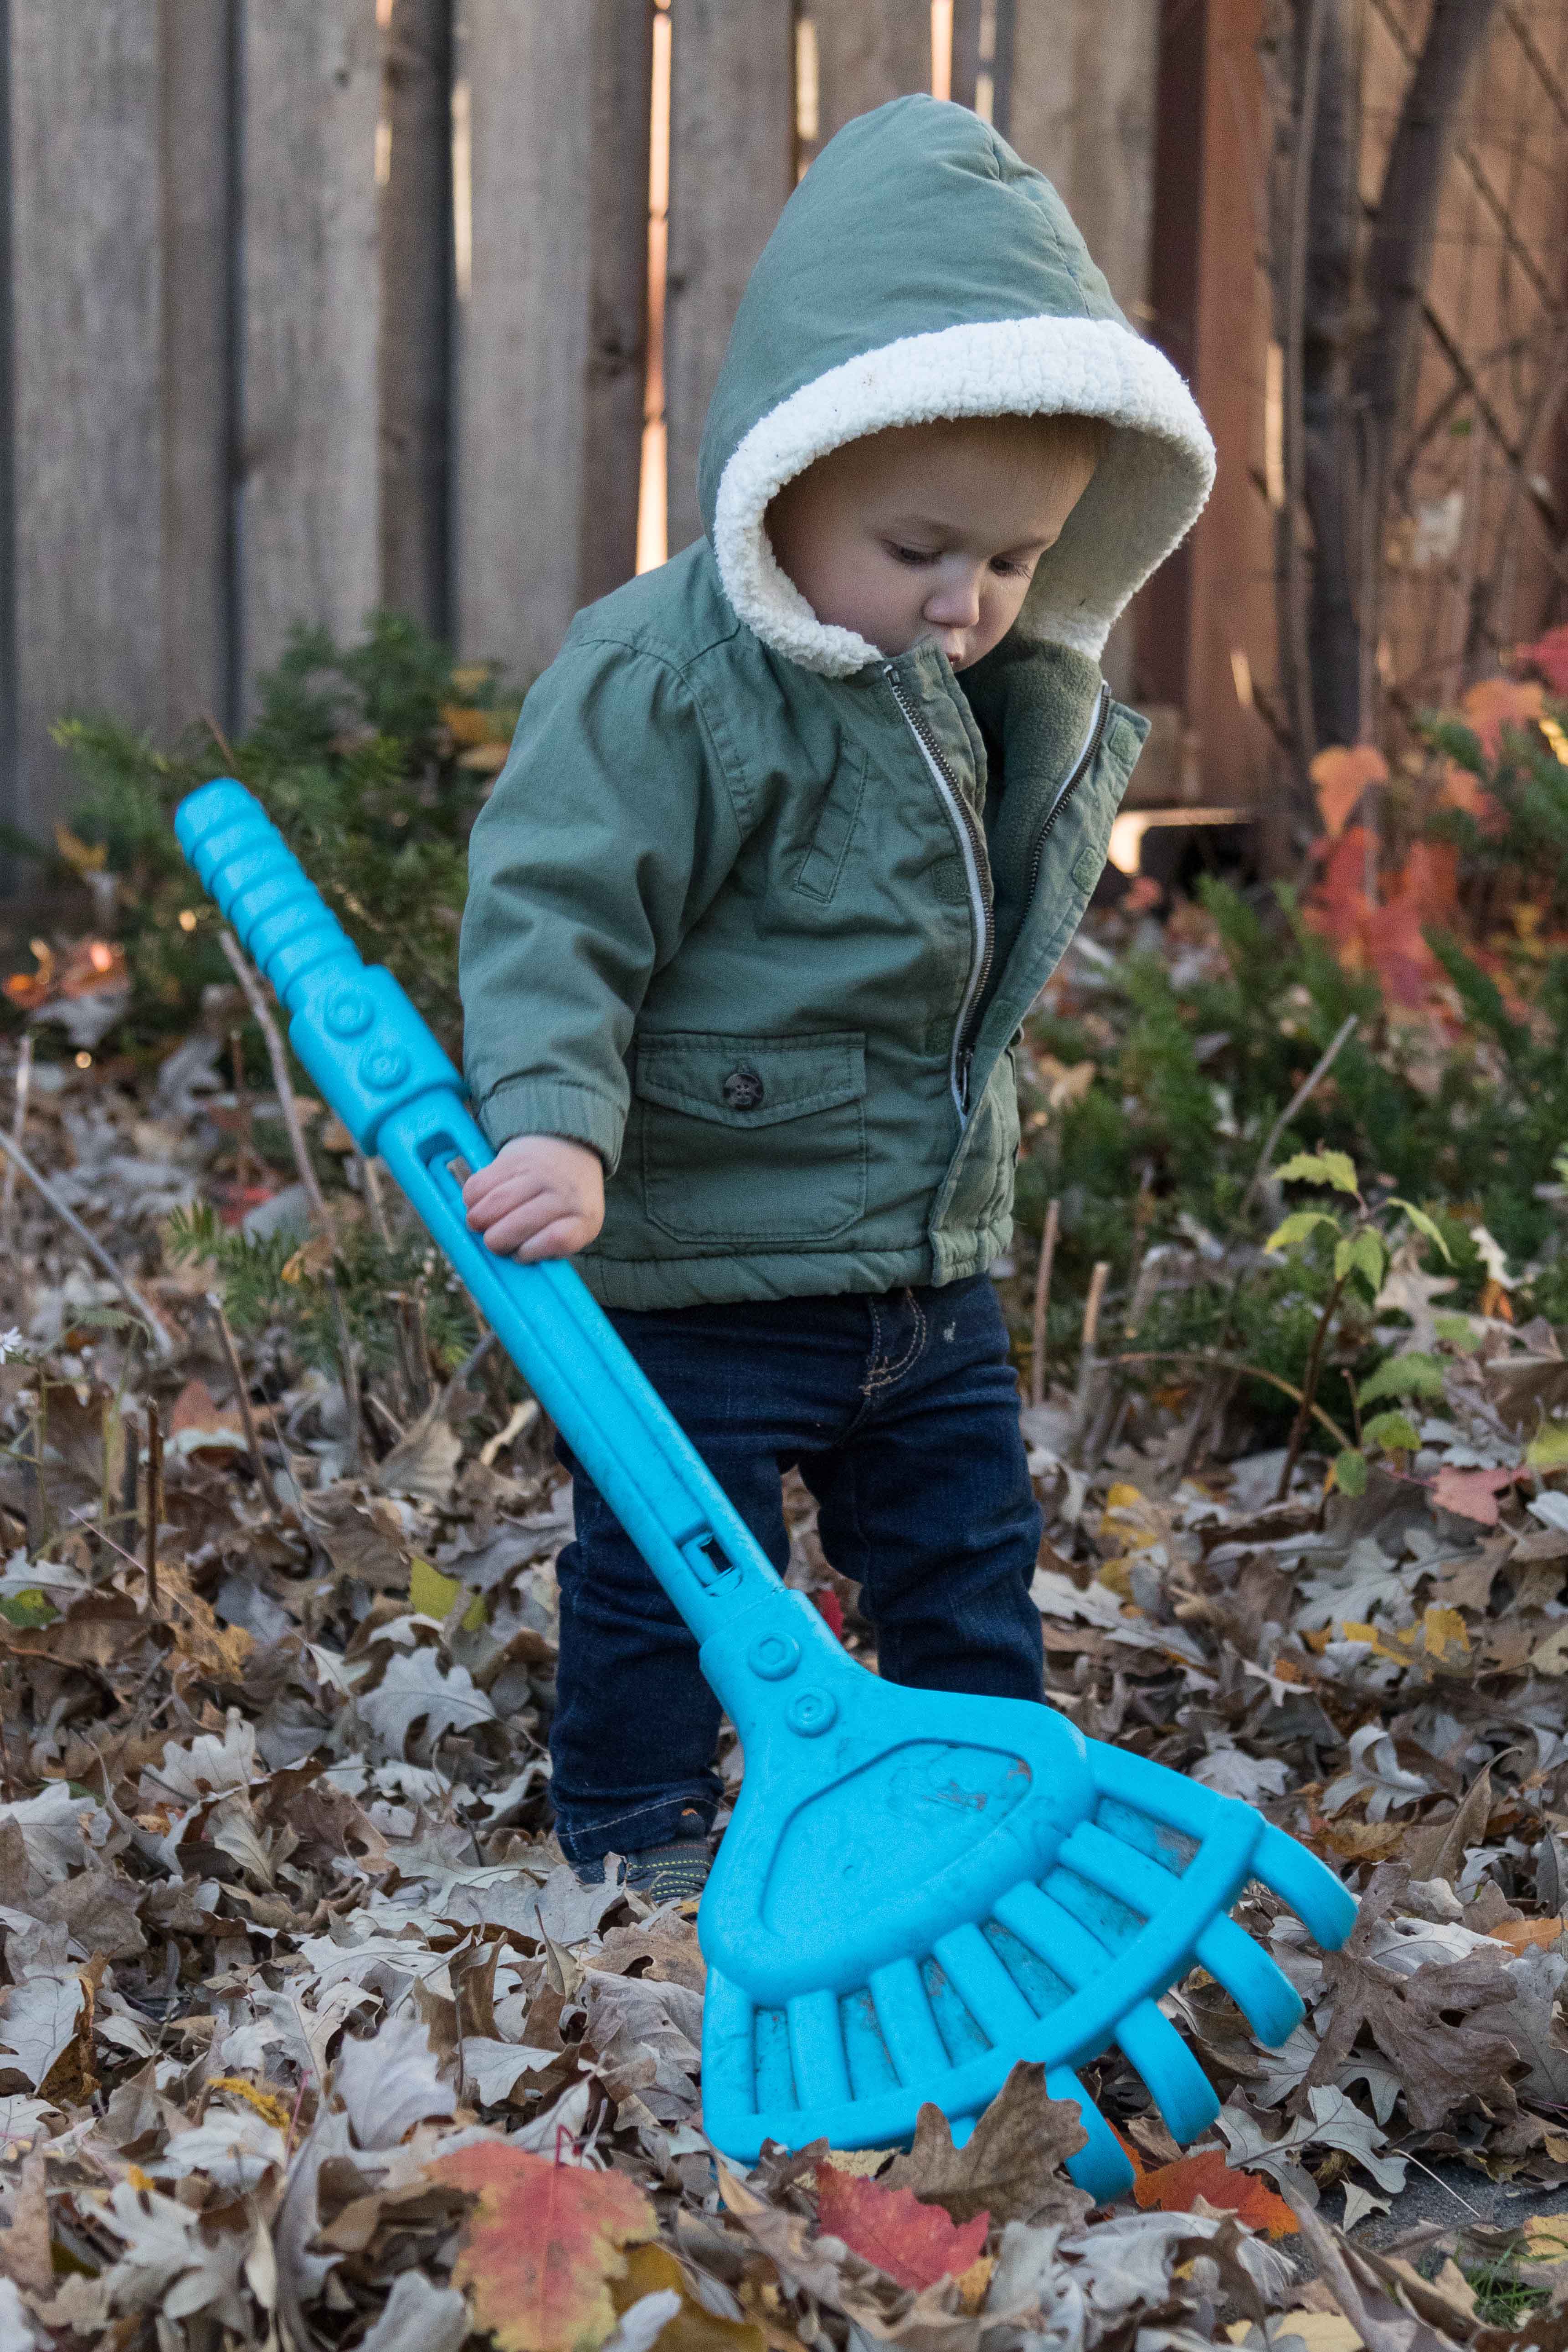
(539, 1197)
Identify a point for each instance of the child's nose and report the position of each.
(954, 604)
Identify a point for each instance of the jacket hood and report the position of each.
(921, 269)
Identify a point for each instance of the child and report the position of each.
(792, 833)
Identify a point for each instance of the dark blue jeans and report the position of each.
(900, 1412)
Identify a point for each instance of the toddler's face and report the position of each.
(932, 530)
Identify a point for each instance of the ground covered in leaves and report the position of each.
(308, 2038)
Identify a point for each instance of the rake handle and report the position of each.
(378, 1065)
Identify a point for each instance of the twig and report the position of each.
(278, 1055)
(374, 1202)
(95, 1249)
(1310, 1387)
(19, 1136)
(155, 1501)
(258, 1461)
(351, 1374)
(1088, 1363)
(1307, 1087)
(1042, 1304)
(470, 1363)
(1214, 1397)
(219, 738)
(1231, 1364)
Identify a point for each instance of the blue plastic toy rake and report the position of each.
(918, 1889)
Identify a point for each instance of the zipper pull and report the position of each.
(965, 1063)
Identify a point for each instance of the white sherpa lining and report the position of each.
(1147, 490)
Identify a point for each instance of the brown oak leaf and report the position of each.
(1010, 2166)
(1426, 2023)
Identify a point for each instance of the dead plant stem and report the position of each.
(258, 1461)
(154, 1502)
(278, 1055)
(19, 1136)
(89, 1242)
(1310, 1379)
(1042, 1305)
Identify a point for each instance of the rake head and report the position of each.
(922, 1889)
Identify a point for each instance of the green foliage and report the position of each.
(273, 1284)
(357, 759)
(1403, 1376)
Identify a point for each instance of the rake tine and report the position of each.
(1325, 1909)
(908, 2026)
(984, 1986)
(1101, 2169)
(816, 2048)
(1260, 1989)
(728, 2053)
(1248, 1975)
(1149, 2040)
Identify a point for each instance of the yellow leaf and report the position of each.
(484, 759)
(431, 1594)
(1546, 2237)
(311, 1258)
(1443, 1633)
(79, 855)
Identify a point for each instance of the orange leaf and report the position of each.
(538, 2255)
(1461, 789)
(1342, 775)
(198, 1417)
(913, 2243)
(1549, 655)
(1522, 1934)
(1172, 2188)
(1498, 702)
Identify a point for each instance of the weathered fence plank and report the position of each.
(553, 325)
(1081, 109)
(310, 526)
(197, 86)
(85, 263)
(415, 166)
(617, 296)
(731, 169)
(867, 51)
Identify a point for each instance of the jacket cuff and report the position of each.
(554, 1106)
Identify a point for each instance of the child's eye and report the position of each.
(915, 555)
(1007, 569)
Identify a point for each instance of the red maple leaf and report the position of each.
(539, 2252)
(1549, 655)
(830, 1609)
(1172, 2188)
(914, 2243)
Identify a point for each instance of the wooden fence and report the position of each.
(317, 304)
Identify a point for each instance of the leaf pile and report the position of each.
(307, 2036)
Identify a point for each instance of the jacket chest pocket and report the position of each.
(748, 1141)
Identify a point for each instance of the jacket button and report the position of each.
(742, 1089)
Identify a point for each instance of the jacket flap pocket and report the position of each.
(750, 1081)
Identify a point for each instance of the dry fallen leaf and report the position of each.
(1010, 2166)
(1175, 2188)
(915, 2244)
(539, 2254)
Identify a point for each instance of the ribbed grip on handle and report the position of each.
(284, 924)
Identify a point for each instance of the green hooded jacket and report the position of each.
(755, 911)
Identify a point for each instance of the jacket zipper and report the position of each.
(966, 826)
(1075, 775)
